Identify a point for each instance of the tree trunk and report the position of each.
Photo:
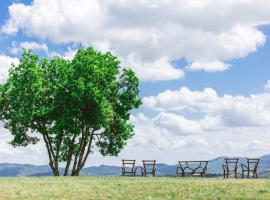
(80, 156)
(52, 164)
(83, 155)
(71, 151)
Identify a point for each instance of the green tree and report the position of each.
(70, 105)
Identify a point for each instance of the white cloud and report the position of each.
(212, 66)
(182, 99)
(227, 110)
(160, 69)
(160, 135)
(176, 124)
(16, 48)
(151, 34)
(257, 145)
(160, 141)
(5, 63)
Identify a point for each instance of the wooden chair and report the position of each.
(251, 167)
(149, 167)
(129, 168)
(230, 167)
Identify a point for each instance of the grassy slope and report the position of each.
(132, 188)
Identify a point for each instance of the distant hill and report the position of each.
(7, 169)
(214, 168)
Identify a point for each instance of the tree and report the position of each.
(70, 105)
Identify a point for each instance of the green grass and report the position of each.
(132, 188)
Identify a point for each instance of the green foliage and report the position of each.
(70, 103)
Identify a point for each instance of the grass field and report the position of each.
(132, 188)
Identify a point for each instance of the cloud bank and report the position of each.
(148, 35)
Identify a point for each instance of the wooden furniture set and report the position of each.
(193, 168)
(249, 169)
(148, 168)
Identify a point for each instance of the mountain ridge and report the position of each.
(214, 168)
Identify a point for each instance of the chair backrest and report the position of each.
(231, 163)
(149, 165)
(253, 163)
(128, 164)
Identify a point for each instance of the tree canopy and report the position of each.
(71, 105)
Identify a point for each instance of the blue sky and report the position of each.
(204, 69)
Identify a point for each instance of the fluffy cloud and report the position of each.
(227, 110)
(229, 125)
(160, 69)
(160, 141)
(16, 48)
(202, 124)
(160, 132)
(5, 63)
(182, 99)
(148, 35)
(177, 124)
(208, 66)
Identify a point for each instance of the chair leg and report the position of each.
(242, 174)
(248, 175)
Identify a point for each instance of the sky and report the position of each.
(203, 65)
